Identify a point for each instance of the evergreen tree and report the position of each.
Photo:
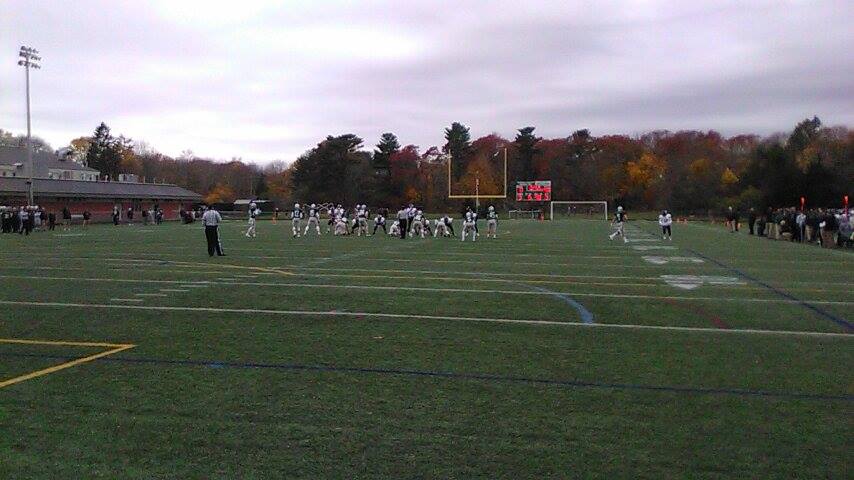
(804, 134)
(105, 152)
(387, 147)
(526, 149)
(458, 146)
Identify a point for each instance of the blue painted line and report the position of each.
(463, 376)
(834, 318)
(585, 314)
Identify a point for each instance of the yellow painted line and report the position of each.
(114, 348)
(228, 265)
(64, 343)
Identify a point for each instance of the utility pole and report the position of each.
(29, 59)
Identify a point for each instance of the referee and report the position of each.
(402, 218)
(211, 219)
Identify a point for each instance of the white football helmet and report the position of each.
(619, 209)
(296, 206)
(252, 205)
(491, 208)
(313, 206)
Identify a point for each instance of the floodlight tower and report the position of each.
(29, 59)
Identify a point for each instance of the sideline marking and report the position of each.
(837, 320)
(336, 313)
(112, 348)
(574, 383)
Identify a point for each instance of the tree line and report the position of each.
(684, 171)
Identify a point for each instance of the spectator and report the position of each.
(846, 231)
(24, 216)
(751, 220)
(829, 227)
(801, 221)
(66, 219)
(730, 219)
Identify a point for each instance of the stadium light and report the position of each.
(29, 58)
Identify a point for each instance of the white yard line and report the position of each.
(151, 295)
(174, 290)
(125, 299)
(449, 290)
(429, 317)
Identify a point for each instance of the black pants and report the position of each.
(404, 226)
(751, 225)
(665, 230)
(214, 247)
(451, 228)
(115, 219)
(378, 225)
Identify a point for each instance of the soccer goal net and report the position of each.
(572, 209)
(531, 214)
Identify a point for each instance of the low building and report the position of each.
(13, 163)
(61, 183)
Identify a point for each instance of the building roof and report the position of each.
(44, 187)
(44, 161)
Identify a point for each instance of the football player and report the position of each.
(665, 220)
(418, 224)
(341, 226)
(619, 224)
(254, 211)
(379, 221)
(492, 223)
(296, 220)
(313, 219)
(362, 220)
(469, 226)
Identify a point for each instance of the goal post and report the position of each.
(561, 209)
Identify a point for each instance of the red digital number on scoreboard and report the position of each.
(536, 191)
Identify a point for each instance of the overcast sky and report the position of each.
(266, 80)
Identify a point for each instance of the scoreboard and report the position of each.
(536, 191)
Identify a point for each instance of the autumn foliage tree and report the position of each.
(685, 171)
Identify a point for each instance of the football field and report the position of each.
(551, 352)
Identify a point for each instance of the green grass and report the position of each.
(379, 358)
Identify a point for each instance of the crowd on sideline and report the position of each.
(32, 218)
(829, 228)
(25, 220)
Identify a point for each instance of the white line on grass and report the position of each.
(174, 290)
(125, 299)
(151, 295)
(446, 290)
(310, 313)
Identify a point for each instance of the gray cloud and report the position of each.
(266, 80)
